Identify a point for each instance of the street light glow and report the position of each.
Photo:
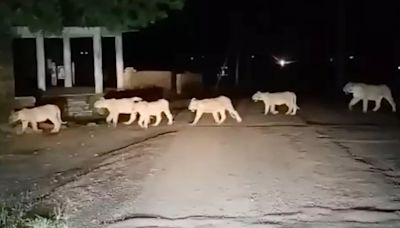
(282, 62)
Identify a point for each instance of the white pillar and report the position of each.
(119, 58)
(67, 61)
(40, 61)
(98, 65)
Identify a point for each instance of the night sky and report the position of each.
(305, 31)
(301, 28)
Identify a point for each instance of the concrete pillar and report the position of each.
(67, 61)
(40, 62)
(119, 61)
(98, 64)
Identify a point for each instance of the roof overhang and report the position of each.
(72, 32)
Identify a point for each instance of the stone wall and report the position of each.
(143, 79)
(24, 102)
(6, 77)
(185, 83)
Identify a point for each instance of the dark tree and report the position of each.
(50, 16)
(340, 45)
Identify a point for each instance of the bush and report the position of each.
(16, 215)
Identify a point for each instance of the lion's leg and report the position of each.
(216, 117)
(365, 105)
(235, 115)
(115, 119)
(197, 117)
(392, 103)
(273, 111)
(24, 126)
(132, 119)
(57, 125)
(377, 104)
(294, 109)
(223, 116)
(290, 109)
(35, 127)
(140, 121)
(266, 108)
(109, 118)
(353, 102)
(145, 121)
(158, 120)
(169, 116)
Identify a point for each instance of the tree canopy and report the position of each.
(115, 15)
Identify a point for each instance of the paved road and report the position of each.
(269, 171)
(296, 176)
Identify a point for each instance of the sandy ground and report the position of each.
(311, 170)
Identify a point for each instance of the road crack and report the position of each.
(65, 177)
(372, 167)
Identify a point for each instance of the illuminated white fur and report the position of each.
(116, 107)
(280, 98)
(216, 106)
(146, 110)
(36, 115)
(366, 92)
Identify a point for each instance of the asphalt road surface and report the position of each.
(297, 176)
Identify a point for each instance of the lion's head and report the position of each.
(15, 116)
(193, 104)
(348, 88)
(257, 96)
(100, 105)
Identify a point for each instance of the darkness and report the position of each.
(305, 31)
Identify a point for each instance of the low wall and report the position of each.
(24, 102)
(144, 79)
(185, 83)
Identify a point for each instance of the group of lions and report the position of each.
(216, 106)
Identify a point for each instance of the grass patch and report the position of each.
(17, 214)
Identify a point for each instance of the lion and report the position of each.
(116, 107)
(36, 115)
(279, 98)
(367, 92)
(147, 110)
(216, 106)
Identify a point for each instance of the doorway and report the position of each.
(82, 57)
